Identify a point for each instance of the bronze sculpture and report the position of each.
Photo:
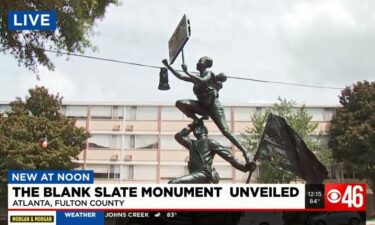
(201, 155)
(206, 88)
(202, 150)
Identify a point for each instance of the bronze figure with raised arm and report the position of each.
(206, 88)
(201, 154)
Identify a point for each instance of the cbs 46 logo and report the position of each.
(345, 196)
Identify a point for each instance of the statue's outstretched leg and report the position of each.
(193, 178)
(217, 114)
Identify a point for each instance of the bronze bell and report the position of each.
(163, 79)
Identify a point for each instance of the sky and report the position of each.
(320, 42)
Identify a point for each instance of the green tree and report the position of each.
(23, 129)
(352, 134)
(75, 21)
(300, 121)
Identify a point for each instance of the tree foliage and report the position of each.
(300, 121)
(75, 21)
(352, 135)
(23, 129)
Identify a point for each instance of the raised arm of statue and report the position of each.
(174, 72)
(184, 68)
(183, 139)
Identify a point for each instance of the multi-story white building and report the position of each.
(135, 142)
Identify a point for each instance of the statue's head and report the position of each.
(200, 129)
(204, 63)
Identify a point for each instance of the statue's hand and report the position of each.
(248, 156)
(165, 62)
(250, 166)
(184, 67)
(192, 124)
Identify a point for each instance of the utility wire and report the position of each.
(158, 67)
(103, 59)
(284, 83)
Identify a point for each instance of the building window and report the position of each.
(146, 142)
(129, 141)
(128, 172)
(316, 113)
(130, 112)
(100, 170)
(329, 113)
(99, 141)
(76, 111)
(105, 171)
(173, 171)
(101, 112)
(105, 141)
(243, 113)
(141, 141)
(171, 113)
(144, 172)
(168, 142)
(114, 172)
(147, 113)
(100, 175)
(228, 113)
(116, 142)
(118, 112)
(141, 113)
